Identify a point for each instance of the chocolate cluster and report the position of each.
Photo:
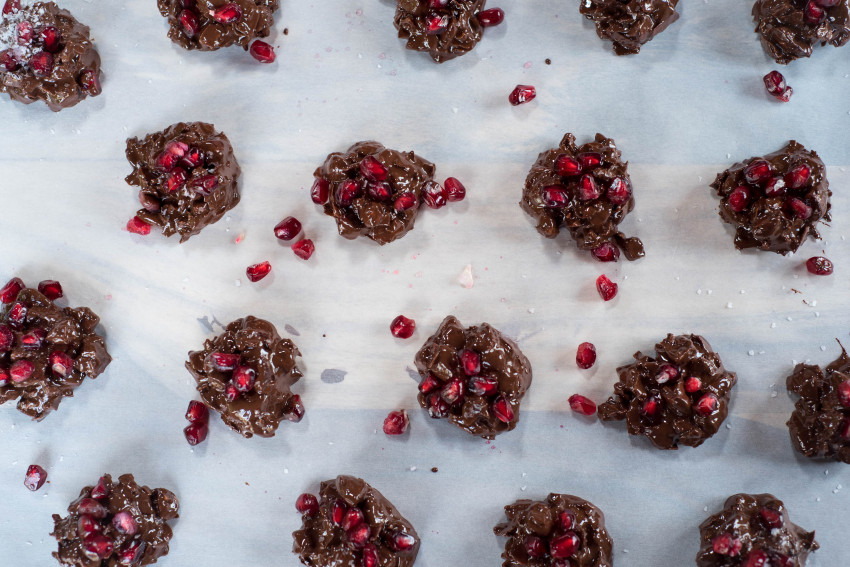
(208, 25)
(789, 29)
(629, 23)
(444, 29)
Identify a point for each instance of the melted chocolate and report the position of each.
(367, 215)
(256, 20)
(150, 510)
(661, 398)
(321, 542)
(757, 525)
(196, 189)
(462, 29)
(769, 222)
(486, 403)
(820, 424)
(63, 330)
(593, 222)
(629, 23)
(273, 359)
(72, 62)
(787, 33)
(559, 516)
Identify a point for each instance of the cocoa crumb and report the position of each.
(435, 469)
(285, 31)
(548, 61)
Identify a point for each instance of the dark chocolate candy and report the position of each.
(629, 23)
(458, 22)
(789, 29)
(208, 25)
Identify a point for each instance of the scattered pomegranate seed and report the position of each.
(555, 196)
(138, 226)
(566, 520)
(101, 490)
(503, 410)
(196, 432)
(372, 169)
(97, 546)
(370, 556)
(338, 511)
(606, 288)
(205, 184)
(51, 289)
(50, 39)
(256, 272)
(124, 523)
(817, 265)
(402, 327)
(197, 412)
(771, 517)
(567, 166)
(304, 248)
(42, 63)
(223, 361)
(189, 21)
(347, 191)
(33, 340)
(534, 546)
(606, 252)
(453, 391)
(797, 176)
(36, 477)
(564, 546)
(262, 52)
(667, 373)
(774, 187)
(131, 553)
(359, 535)
(11, 6)
(21, 370)
(588, 190)
(706, 405)
(483, 386)
(491, 17)
(582, 405)
(470, 362)
(25, 32)
(9, 60)
(651, 407)
(774, 83)
(244, 378)
(844, 393)
(396, 422)
(619, 191)
(294, 409)
(455, 191)
(7, 338)
(228, 13)
(726, 544)
(91, 507)
(758, 171)
(10, 291)
(585, 355)
(88, 525)
(404, 202)
(739, 198)
(434, 195)
(288, 228)
(757, 557)
(307, 504)
(428, 384)
(801, 210)
(522, 94)
(320, 191)
(693, 385)
(401, 541)
(436, 23)
(353, 517)
(813, 14)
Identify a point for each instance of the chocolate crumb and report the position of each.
(548, 61)
(285, 31)
(435, 469)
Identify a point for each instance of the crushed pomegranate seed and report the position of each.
(42, 63)
(522, 94)
(51, 289)
(307, 504)
(10, 291)
(606, 252)
(138, 226)
(491, 17)
(819, 266)
(33, 340)
(36, 477)
(224, 361)
(582, 404)
(50, 39)
(396, 422)
(21, 370)
(455, 191)
(606, 288)
(436, 23)
(256, 272)
(774, 187)
(428, 384)
(197, 412)
(304, 248)
(25, 33)
(288, 228)
(650, 407)
(402, 327)
(380, 191)
(262, 51)
(196, 432)
(585, 355)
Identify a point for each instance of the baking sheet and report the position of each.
(691, 103)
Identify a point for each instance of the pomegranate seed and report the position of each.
(21, 370)
(813, 14)
(205, 184)
(33, 340)
(197, 412)
(844, 429)
(370, 554)
(585, 355)
(401, 541)
(567, 166)
(88, 525)
(25, 33)
(295, 409)
(453, 391)
(42, 63)
(666, 373)
(801, 210)
(244, 378)
(470, 362)
(36, 477)
(434, 195)
(757, 172)
(436, 23)
(455, 191)
(774, 82)
(7, 338)
(566, 520)
(483, 386)
(338, 511)
(51, 289)
(693, 385)
(491, 17)
(429, 384)
(97, 546)
(726, 544)
(256, 272)
(9, 60)
(101, 490)
(304, 248)
(223, 361)
(124, 523)
(91, 507)
(534, 546)
(564, 546)
(196, 432)
(785, 95)
(10, 291)
(189, 21)
(756, 558)
(138, 226)
(502, 409)
(844, 393)
(651, 407)
(404, 202)
(402, 327)
(555, 196)
(4, 377)
(582, 405)
(589, 160)
(288, 228)
(228, 13)
(817, 265)
(437, 407)
(307, 504)
(17, 315)
(359, 535)
(192, 158)
(706, 405)
(772, 518)
(262, 52)
(606, 288)
(352, 518)
(11, 6)
(379, 191)
(797, 176)
(372, 169)
(50, 39)
(522, 94)
(176, 179)
(131, 553)
(619, 191)
(90, 82)
(606, 252)
(347, 191)
(775, 186)
(320, 191)
(739, 198)
(396, 422)
(588, 190)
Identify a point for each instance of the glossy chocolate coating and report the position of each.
(820, 424)
(62, 87)
(787, 545)
(365, 216)
(541, 519)
(462, 33)
(768, 223)
(151, 510)
(260, 410)
(629, 23)
(256, 21)
(71, 331)
(676, 421)
(591, 223)
(322, 543)
(501, 359)
(184, 211)
(786, 34)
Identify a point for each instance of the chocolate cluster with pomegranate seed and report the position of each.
(47, 55)
(680, 396)
(353, 525)
(753, 530)
(561, 531)
(445, 29)
(820, 424)
(587, 190)
(629, 23)
(789, 29)
(475, 377)
(376, 192)
(208, 25)
(246, 374)
(115, 523)
(188, 179)
(46, 351)
(775, 202)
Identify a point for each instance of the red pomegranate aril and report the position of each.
(402, 327)
(370, 556)
(800, 209)
(7, 338)
(797, 176)
(585, 355)
(522, 94)
(436, 23)
(483, 386)
(17, 315)
(88, 525)
(90, 82)
(588, 190)
(11, 6)
(581, 404)
(589, 160)
(844, 429)
(619, 191)
(262, 52)
(50, 39)
(224, 361)
(502, 409)
(566, 520)
(774, 82)
(197, 412)
(244, 378)
(51, 289)
(352, 518)
(739, 198)
(42, 63)
(33, 340)
(256, 272)
(606, 288)
(24, 32)
(304, 248)
(190, 23)
(320, 192)
(667, 373)
(455, 191)
(555, 196)
(437, 407)
(785, 95)
(4, 377)
(166, 161)
(347, 191)
(295, 409)
(10, 291)
(124, 523)
(756, 558)
(228, 13)
(434, 195)
(706, 405)
(97, 546)
(758, 172)
(774, 187)
(21, 370)
(131, 553)
(564, 546)
(813, 14)
(401, 541)
(91, 507)
(429, 384)
(138, 226)
(36, 477)
(101, 490)
(396, 422)
(491, 17)
(534, 546)
(567, 166)
(176, 179)
(9, 60)
(372, 169)
(231, 394)
(192, 158)
(453, 392)
(726, 544)
(844, 393)
(470, 362)
(307, 504)
(288, 228)
(338, 511)
(359, 535)
(817, 265)
(205, 184)
(196, 432)
(404, 202)
(606, 252)
(771, 517)
(693, 385)
(651, 407)
(379, 191)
